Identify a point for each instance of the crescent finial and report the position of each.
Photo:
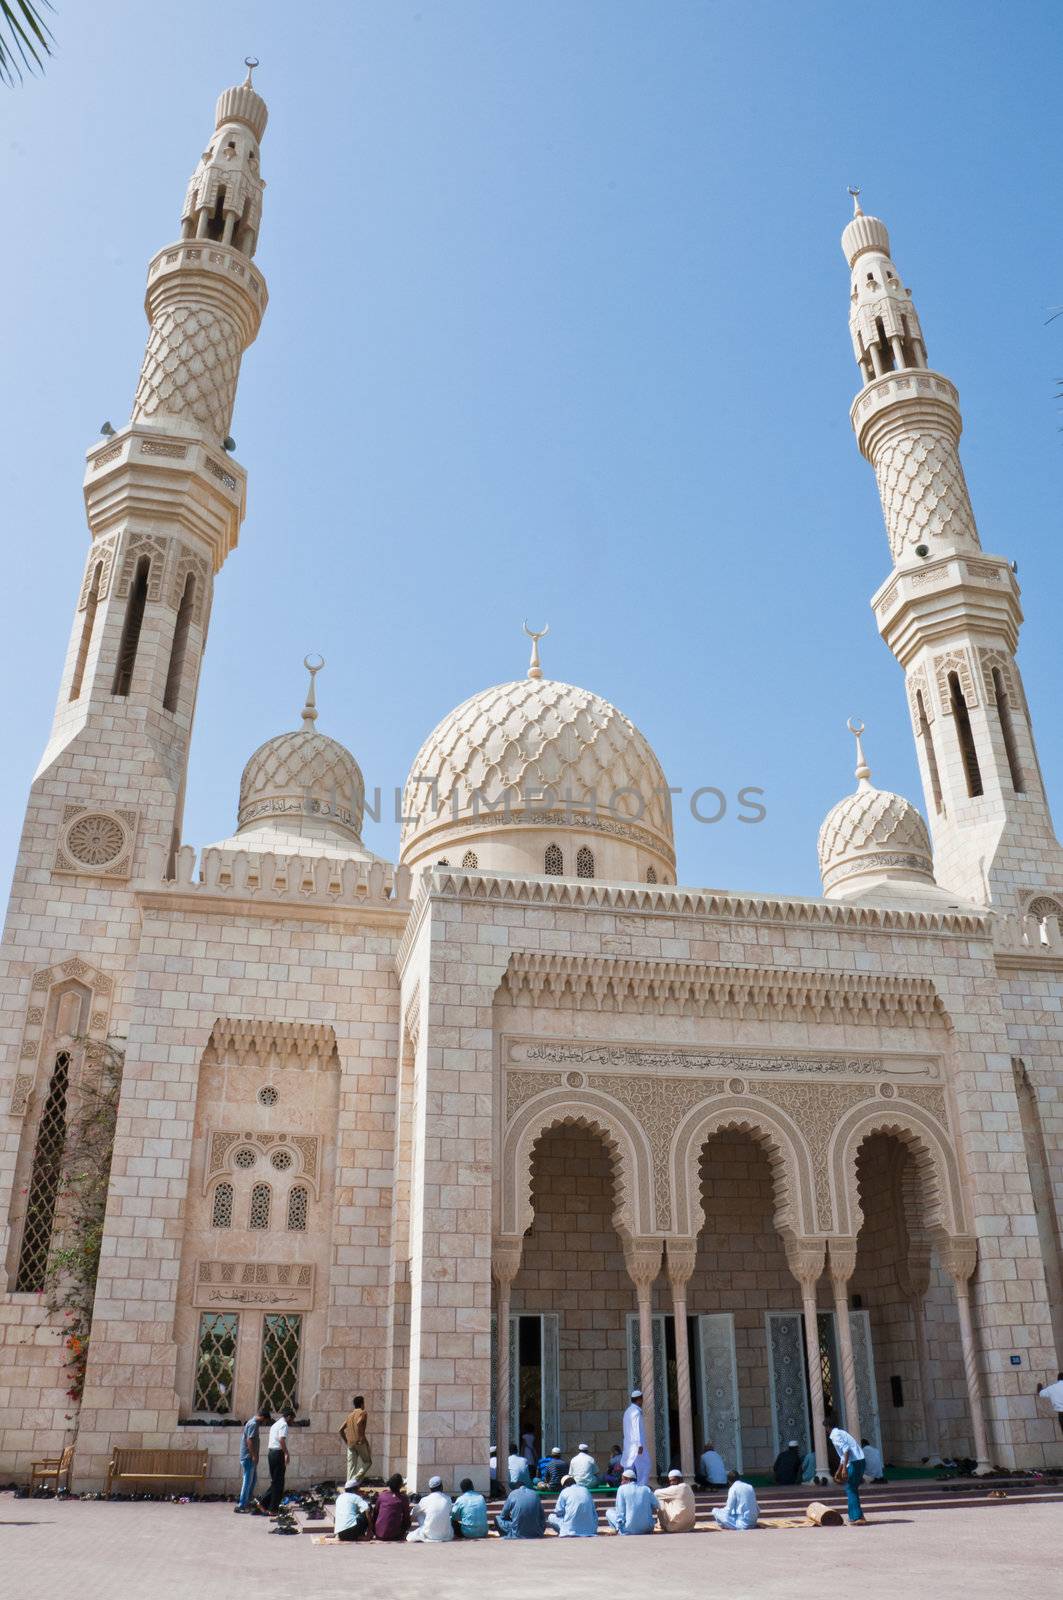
(534, 669)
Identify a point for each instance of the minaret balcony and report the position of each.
(942, 598)
(908, 398)
(200, 269)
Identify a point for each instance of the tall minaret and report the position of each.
(165, 501)
(949, 612)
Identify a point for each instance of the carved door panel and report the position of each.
(866, 1385)
(718, 1371)
(787, 1379)
(662, 1429)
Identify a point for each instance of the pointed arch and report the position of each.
(628, 1147)
(776, 1133)
(937, 1170)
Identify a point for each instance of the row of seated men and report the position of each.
(791, 1466)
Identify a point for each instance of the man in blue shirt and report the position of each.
(636, 1506)
(351, 1519)
(741, 1511)
(576, 1516)
(518, 1469)
(470, 1513)
(851, 1467)
(249, 1444)
(522, 1516)
(552, 1469)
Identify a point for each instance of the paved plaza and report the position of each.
(100, 1551)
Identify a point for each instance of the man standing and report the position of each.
(277, 1457)
(713, 1466)
(431, 1517)
(676, 1510)
(635, 1454)
(787, 1467)
(249, 1448)
(583, 1469)
(636, 1506)
(741, 1510)
(851, 1468)
(576, 1515)
(522, 1516)
(359, 1455)
(1053, 1393)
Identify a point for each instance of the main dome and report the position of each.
(536, 754)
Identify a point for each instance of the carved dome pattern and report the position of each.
(537, 734)
(303, 772)
(872, 830)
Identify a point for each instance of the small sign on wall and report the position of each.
(1016, 1361)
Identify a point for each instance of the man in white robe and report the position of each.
(583, 1468)
(636, 1456)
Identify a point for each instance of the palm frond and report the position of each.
(25, 39)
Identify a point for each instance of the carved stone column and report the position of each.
(805, 1258)
(642, 1257)
(915, 1281)
(959, 1257)
(682, 1254)
(842, 1266)
(505, 1264)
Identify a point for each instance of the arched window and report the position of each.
(470, 859)
(584, 862)
(86, 632)
(179, 648)
(134, 619)
(44, 1181)
(961, 717)
(221, 1215)
(260, 1200)
(1007, 728)
(651, 874)
(554, 861)
(298, 1207)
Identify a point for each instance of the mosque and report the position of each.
(494, 1132)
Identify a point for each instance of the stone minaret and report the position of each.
(949, 612)
(165, 502)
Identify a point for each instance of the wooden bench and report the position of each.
(158, 1466)
(54, 1467)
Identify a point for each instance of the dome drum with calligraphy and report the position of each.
(872, 837)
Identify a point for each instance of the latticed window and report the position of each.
(279, 1374)
(584, 862)
(260, 1198)
(281, 1160)
(554, 861)
(470, 859)
(221, 1215)
(44, 1180)
(245, 1158)
(216, 1362)
(651, 874)
(298, 1206)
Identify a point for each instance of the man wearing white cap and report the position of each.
(583, 1468)
(676, 1511)
(636, 1455)
(636, 1506)
(432, 1524)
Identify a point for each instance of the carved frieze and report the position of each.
(234, 1284)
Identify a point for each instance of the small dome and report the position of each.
(567, 760)
(872, 835)
(304, 774)
(243, 104)
(864, 233)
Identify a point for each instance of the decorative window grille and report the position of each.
(554, 861)
(651, 874)
(584, 862)
(298, 1207)
(222, 1214)
(245, 1158)
(268, 1096)
(279, 1371)
(281, 1160)
(44, 1181)
(216, 1362)
(260, 1199)
(470, 859)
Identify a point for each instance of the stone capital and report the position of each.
(805, 1257)
(642, 1258)
(682, 1255)
(842, 1259)
(958, 1253)
(506, 1251)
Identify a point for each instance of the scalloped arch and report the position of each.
(936, 1166)
(628, 1148)
(774, 1131)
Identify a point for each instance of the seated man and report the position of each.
(712, 1465)
(522, 1516)
(874, 1470)
(353, 1519)
(392, 1520)
(583, 1468)
(787, 1466)
(676, 1511)
(431, 1517)
(576, 1516)
(552, 1468)
(808, 1467)
(519, 1470)
(616, 1467)
(469, 1515)
(636, 1506)
(741, 1511)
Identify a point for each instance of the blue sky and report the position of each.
(558, 330)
